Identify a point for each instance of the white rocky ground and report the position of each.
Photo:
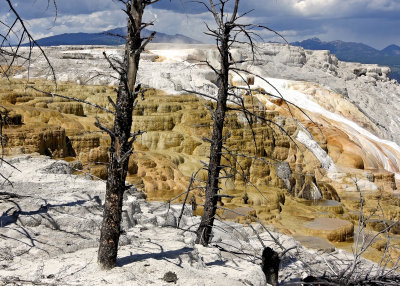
(49, 233)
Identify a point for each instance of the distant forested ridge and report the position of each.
(112, 37)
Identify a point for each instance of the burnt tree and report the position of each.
(224, 41)
(228, 32)
(121, 136)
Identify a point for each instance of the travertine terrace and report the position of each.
(339, 139)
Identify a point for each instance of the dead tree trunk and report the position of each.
(121, 137)
(228, 33)
(222, 35)
(270, 265)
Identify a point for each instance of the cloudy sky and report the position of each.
(374, 22)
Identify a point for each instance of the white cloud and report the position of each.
(165, 21)
(384, 5)
(170, 22)
(328, 9)
(316, 7)
(94, 22)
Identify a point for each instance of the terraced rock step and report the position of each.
(332, 228)
(173, 147)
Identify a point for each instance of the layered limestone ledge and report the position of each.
(173, 147)
(333, 229)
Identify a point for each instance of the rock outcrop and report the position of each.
(50, 141)
(366, 85)
(274, 175)
(333, 229)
